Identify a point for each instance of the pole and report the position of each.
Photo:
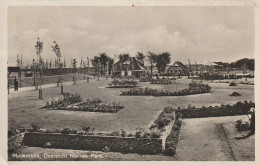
(61, 86)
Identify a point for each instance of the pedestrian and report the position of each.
(15, 84)
(252, 124)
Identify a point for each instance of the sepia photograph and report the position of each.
(131, 83)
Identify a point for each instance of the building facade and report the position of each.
(129, 68)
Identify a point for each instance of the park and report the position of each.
(139, 112)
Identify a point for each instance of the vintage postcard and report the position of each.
(129, 81)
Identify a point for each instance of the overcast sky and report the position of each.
(195, 33)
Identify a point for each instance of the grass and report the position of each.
(24, 108)
(242, 148)
(139, 111)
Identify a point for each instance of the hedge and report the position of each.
(240, 108)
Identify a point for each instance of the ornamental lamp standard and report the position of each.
(39, 47)
(56, 50)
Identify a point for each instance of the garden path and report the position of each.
(202, 140)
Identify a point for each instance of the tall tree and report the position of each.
(162, 60)
(124, 57)
(17, 61)
(102, 62)
(152, 59)
(95, 63)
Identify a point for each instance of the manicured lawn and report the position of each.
(243, 148)
(24, 107)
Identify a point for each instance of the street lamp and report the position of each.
(56, 50)
(39, 47)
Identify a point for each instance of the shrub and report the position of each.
(162, 122)
(172, 139)
(232, 84)
(65, 131)
(156, 134)
(235, 94)
(35, 127)
(130, 135)
(240, 126)
(115, 133)
(123, 83)
(11, 132)
(170, 151)
(123, 133)
(139, 134)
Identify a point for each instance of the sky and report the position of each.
(200, 34)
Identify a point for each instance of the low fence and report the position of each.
(93, 142)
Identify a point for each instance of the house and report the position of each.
(14, 71)
(177, 68)
(212, 67)
(131, 67)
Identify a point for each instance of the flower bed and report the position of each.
(74, 103)
(240, 108)
(164, 119)
(64, 101)
(194, 88)
(97, 105)
(161, 81)
(116, 83)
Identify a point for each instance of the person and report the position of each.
(15, 84)
(252, 124)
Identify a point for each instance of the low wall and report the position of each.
(93, 142)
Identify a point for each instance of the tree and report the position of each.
(152, 59)
(64, 63)
(39, 48)
(17, 61)
(46, 64)
(140, 56)
(102, 62)
(245, 63)
(110, 64)
(124, 57)
(81, 63)
(162, 60)
(50, 64)
(74, 64)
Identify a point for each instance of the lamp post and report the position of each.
(56, 50)
(39, 47)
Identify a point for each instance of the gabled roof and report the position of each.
(181, 65)
(132, 63)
